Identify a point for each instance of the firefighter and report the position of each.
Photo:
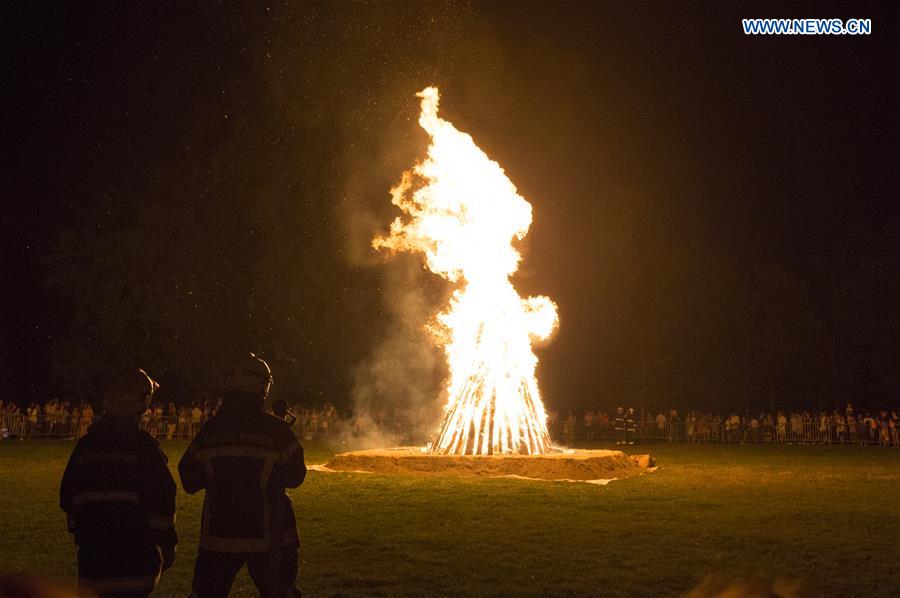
(619, 425)
(244, 459)
(630, 425)
(119, 497)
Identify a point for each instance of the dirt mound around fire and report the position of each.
(580, 465)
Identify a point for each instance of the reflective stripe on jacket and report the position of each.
(244, 461)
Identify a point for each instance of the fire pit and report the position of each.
(579, 465)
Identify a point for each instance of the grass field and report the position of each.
(829, 516)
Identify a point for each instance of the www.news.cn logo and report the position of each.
(807, 26)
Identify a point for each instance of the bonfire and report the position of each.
(464, 216)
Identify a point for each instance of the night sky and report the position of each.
(251, 146)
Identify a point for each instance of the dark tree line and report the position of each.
(696, 326)
(180, 285)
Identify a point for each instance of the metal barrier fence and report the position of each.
(23, 426)
(20, 425)
(719, 432)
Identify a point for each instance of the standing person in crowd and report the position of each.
(8, 419)
(796, 426)
(660, 425)
(196, 418)
(871, 427)
(324, 424)
(74, 422)
(851, 426)
(244, 459)
(782, 427)
(619, 425)
(171, 420)
(884, 436)
(553, 421)
(209, 409)
(589, 425)
(729, 428)
(745, 427)
(824, 425)
(673, 424)
(768, 427)
(359, 424)
(49, 416)
(895, 430)
(841, 427)
(119, 497)
(603, 424)
(630, 425)
(314, 423)
(569, 427)
(33, 414)
(183, 425)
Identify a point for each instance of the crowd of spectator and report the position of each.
(318, 423)
(53, 418)
(808, 427)
(325, 422)
(63, 419)
(72, 420)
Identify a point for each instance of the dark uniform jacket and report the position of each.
(244, 460)
(630, 422)
(119, 498)
(619, 422)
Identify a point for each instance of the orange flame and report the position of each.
(463, 214)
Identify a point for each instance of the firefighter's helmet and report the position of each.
(249, 374)
(129, 393)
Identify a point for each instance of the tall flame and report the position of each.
(463, 214)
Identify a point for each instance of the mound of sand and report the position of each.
(580, 465)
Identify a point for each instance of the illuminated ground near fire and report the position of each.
(810, 512)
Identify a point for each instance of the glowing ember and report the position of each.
(463, 213)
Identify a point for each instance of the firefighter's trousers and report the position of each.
(117, 571)
(214, 572)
